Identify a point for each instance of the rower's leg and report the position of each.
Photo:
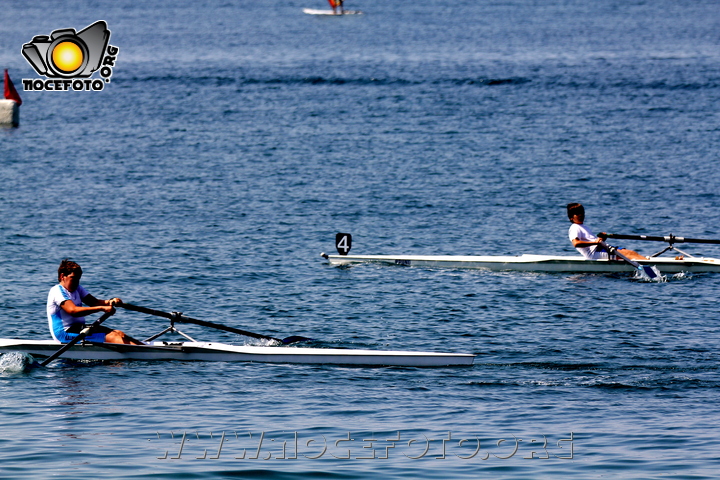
(631, 254)
(117, 336)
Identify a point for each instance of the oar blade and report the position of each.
(649, 272)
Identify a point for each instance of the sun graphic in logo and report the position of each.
(67, 56)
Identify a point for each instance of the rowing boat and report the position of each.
(313, 11)
(192, 350)
(532, 263)
(683, 263)
(222, 352)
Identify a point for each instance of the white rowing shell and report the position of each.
(312, 11)
(532, 263)
(221, 352)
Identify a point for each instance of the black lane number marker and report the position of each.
(343, 243)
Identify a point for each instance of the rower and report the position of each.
(335, 4)
(589, 245)
(66, 311)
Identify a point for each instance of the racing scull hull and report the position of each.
(220, 352)
(532, 263)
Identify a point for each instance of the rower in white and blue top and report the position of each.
(66, 311)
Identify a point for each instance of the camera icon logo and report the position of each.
(67, 53)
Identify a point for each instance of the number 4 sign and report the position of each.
(343, 243)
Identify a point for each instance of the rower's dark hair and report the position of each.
(67, 267)
(575, 209)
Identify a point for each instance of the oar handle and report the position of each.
(83, 333)
(179, 317)
(671, 239)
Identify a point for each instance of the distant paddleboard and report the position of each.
(312, 11)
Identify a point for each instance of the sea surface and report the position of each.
(237, 137)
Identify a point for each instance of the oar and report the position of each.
(83, 333)
(646, 270)
(668, 238)
(179, 317)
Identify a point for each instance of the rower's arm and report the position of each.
(95, 302)
(76, 311)
(577, 243)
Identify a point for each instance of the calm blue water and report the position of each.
(236, 138)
